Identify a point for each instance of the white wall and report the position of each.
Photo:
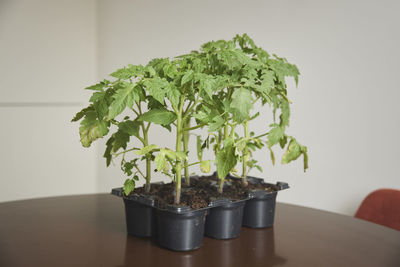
(345, 108)
(47, 55)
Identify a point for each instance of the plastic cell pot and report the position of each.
(180, 229)
(139, 214)
(260, 211)
(140, 218)
(225, 222)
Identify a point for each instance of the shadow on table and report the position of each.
(255, 247)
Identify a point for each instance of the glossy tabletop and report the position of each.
(89, 230)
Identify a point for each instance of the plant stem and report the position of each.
(148, 159)
(222, 180)
(232, 134)
(226, 132)
(125, 151)
(219, 140)
(194, 163)
(221, 185)
(245, 154)
(186, 150)
(178, 165)
(187, 128)
(261, 135)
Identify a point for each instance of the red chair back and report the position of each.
(382, 207)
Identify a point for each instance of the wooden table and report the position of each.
(89, 230)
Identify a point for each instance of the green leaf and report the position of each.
(150, 70)
(160, 161)
(241, 104)
(101, 108)
(128, 166)
(130, 127)
(129, 186)
(285, 114)
(173, 95)
(123, 98)
(107, 153)
(267, 80)
(170, 70)
(207, 83)
(97, 87)
(159, 116)
(205, 166)
(91, 128)
(147, 149)
(275, 135)
(128, 72)
(216, 124)
(175, 154)
(155, 87)
(122, 73)
(305, 157)
(259, 168)
(293, 152)
(226, 158)
(82, 113)
(271, 153)
(188, 76)
(121, 140)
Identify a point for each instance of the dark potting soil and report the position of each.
(201, 191)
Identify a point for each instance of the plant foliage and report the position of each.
(215, 87)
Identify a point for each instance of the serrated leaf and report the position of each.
(153, 103)
(150, 70)
(96, 96)
(241, 144)
(170, 70)
(129, 186)
(82, 113)
(123, 98)
(285, 114)
(121, 140)
(91, 128)
(147, 149)
(188, 76)
(128, 166)
(267, 80)
(158, 116)
(283, 142)
(226, 158)
(173, 155)
(293, 152)
(101, 108)
(155, 87)
(128, 72)
(241, 104)
(205, 166)
(275, 135)
(216, 124)
(122, 73)
(97, 87)
(207, 84)
(130, 127)
(107, 153)
(173, 95)
(160, 161)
